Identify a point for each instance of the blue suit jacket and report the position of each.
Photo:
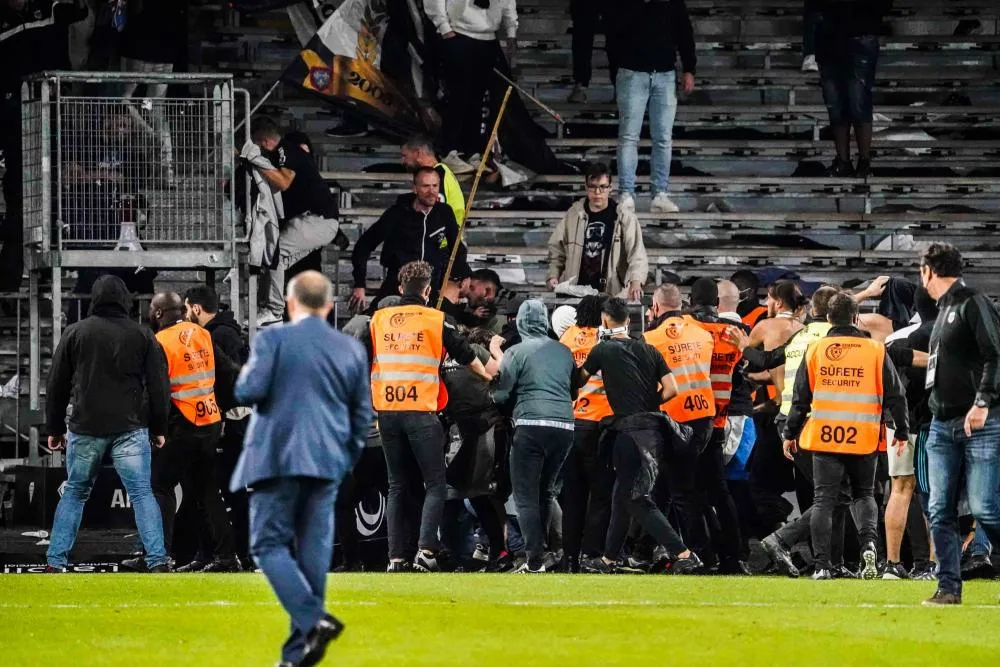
(310, 389)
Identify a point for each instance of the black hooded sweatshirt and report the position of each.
(111, 368)
(228, 336)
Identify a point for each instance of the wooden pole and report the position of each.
(472, 194)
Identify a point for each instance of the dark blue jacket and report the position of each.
(309, 387)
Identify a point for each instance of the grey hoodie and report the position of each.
(537, 373)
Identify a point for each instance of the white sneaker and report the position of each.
(578, 95)
(809, 64)
(627, 202)
(266, 317)
(662, 204)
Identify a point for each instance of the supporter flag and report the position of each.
(346, 63)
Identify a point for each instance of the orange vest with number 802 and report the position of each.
(191, 366)
(408, 346)
(592, 403)
(687, 349)
(845, 374)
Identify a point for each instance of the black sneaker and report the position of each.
(978, 567)
(550, 562)
(734, 568)
(194, 566)
(869, 562)
(569, 565)
(223, 565)
(924, 572)
(631, 565)
(844, 572)
(326, 631)
(822, 575)
(596, 565)
(527, 567)
(895, 571)
(840, 169)
(502, 563)
(425, 562)
(397, 566)
(689, 565)
(661, 560)
(942, 599)
(864, 168)
(780, 555)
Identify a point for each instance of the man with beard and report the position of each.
(419, 152)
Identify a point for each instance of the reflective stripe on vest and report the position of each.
(592, 402)
(845, 375)
(795, 352)
(451, 193)
(725, 357)
(408, 346)
(687, 349)
(191, 367)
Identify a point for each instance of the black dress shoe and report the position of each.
(327, 630)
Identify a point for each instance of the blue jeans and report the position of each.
(130, 453)
(291, 540)
(949, 452)
(636, 91)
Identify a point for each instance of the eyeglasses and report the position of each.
(599, 188)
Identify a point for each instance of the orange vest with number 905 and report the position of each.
(408, 346)
(592, 403)
(191, 366)
(845, 374)
(687, 349)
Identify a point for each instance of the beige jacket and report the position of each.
(628, 259)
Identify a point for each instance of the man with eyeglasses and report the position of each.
(598, 243)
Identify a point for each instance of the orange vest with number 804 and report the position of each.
(408, 346)
(592, 403)
(687, 349)
(191, 366)
(845, 374)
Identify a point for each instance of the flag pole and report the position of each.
(541, 105)
(472, 194)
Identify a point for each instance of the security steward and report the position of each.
(194, 426)
(588, 479)
(711, 468)
(407, 346)
(687, 349)
(840, 392)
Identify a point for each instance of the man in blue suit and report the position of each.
(309, 387)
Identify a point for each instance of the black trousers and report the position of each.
(682, 478)
(468, 70)
(715, 495)
(588, 481)
(413, 445)
(191, 452)
(228, 455)
(536, 462)
(12, 230)
(829, 471)
(771, 475)
(638, 450)
(587, 16)
(800, 530)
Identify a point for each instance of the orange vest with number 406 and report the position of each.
(725, 356)
(845, 374)
(191, 366)
(687, 349)
(408, 346)
(592, 403)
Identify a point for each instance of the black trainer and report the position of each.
(895, 571)
(425, 562)
(734, 568)
(661, 560)
(843, 572)
(689, 565)
(397, 566)
(869, 562)
(840, 169)
(327, 630)
(780, 555)
(864, 168)
(978, 567)
(822, 575)
(194, 566)
(942, 599)
(223, 565)
(596, 565)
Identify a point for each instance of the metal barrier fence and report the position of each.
(112, 163)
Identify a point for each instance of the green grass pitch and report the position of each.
(508, 620)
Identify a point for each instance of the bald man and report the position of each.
(308, 384)
(194, 426)
(729, 300)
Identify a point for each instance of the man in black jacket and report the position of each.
(114, 373)
(202, 306)
(417, 227)
(963, 375)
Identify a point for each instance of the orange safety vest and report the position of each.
(845, 374)
(408, 346)
(592, 403)
(754, 316)
(725, 356)
(687, 349)
(191, 366)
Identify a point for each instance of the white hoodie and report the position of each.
(464, 18)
